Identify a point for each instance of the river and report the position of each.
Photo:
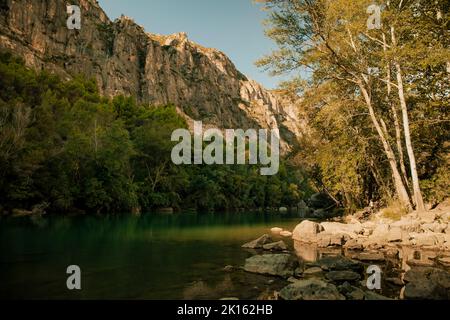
(153, 256)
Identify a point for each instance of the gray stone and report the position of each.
(310, 289)
(312, 271)
(258, 243)
(427, 283)
(275, 246)
(282, 265)
(351, 292)
(333, 263)
(396, 281)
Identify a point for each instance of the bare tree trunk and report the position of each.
(418, 200)
(400, 189)
(398, 132)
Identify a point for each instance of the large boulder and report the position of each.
(258, 243)
(282, 265)
(310, 289)
(426, 283)
(306, 231)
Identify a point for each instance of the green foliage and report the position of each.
(326, 42)
(65, 145)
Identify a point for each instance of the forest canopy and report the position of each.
(65, 148)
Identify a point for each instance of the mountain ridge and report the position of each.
(203, 83)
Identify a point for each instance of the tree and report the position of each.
(330, 41)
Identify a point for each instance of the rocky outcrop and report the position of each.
(427, 230)
(125, 59)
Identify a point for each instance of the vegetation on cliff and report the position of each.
(66, 148)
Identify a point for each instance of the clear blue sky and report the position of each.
(232, 26)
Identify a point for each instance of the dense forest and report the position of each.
(374, 86)
(65, 148)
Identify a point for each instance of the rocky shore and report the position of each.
(331, 260)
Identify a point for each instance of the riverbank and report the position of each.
(335, 260)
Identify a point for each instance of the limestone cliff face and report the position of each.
(124, 59)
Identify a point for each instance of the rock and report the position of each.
(312, 271)
(392, 253)
(424, 239)
(427, 217)
(276, 230)
(396, 281)
(258, 243)
(298, 272)
(395, 234)
(407, 224)
(427, 283)
(351, 292)
(282, 265)
(286, 234)
(275, 246)
(381, 231)
(341, 276)
(353, 244)
(335, 227)
(325, 239)
(283, 209)
(420, 263)
(338, 263)
(445, 261)
(306, 231)
(434, 227)
(310, 289)
(369, 256)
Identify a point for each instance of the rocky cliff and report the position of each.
(125, 59)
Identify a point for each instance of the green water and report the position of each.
(123, 257)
